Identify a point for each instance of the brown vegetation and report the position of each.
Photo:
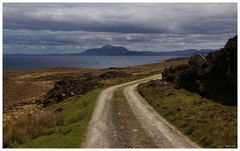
(114, 74)
(32, 84)
(28, 127)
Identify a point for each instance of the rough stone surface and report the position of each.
(197, 60)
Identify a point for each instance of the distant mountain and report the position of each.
(109, 50)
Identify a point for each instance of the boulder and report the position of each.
(197, 60)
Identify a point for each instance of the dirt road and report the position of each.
(130, 122)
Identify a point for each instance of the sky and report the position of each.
(34, 28)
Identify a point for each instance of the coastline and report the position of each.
(54, 61)
(29, 85)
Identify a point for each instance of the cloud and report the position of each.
(74, 27)
(32, 41)
(123, 18)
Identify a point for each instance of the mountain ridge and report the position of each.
(110, 50)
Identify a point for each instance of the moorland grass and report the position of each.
(76, 115)
(208, 123)
(29, 127)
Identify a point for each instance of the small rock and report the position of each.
(59, 110)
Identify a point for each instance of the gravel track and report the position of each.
(105, 130)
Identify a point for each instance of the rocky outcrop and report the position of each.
(197, 60)
(73, 86)
(68, 87)
(213, 76)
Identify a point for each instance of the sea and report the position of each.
(45, 61)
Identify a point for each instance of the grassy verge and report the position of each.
(208, 123)
(76, 115)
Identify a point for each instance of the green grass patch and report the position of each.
(76, 115)
(208, 123)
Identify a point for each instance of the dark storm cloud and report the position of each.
(123, 18)
(76, 27)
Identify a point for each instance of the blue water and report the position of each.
(39, 61)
